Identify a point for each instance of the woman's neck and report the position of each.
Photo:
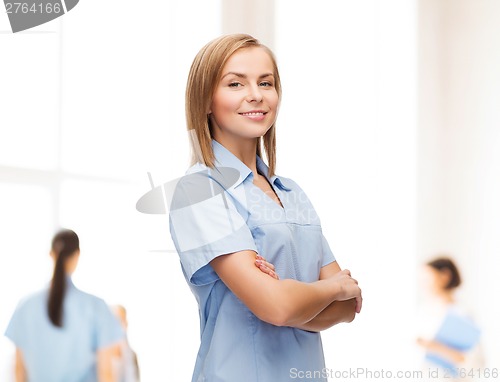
(446, 297)
(244, 149)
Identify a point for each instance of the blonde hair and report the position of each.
(204, 76)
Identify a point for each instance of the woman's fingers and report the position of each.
(359, 302)
(266, 267)
(349, 288)
(268, 264)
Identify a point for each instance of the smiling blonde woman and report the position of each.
(250, 242)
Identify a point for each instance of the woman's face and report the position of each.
(437, 280)
(245, 102)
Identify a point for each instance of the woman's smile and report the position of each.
(254, 115)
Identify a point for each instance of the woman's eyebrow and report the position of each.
(241, 75)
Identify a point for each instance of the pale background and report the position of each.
(390, 122)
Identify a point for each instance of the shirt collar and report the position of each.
(69, 281)
(225, 158)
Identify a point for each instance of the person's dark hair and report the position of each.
(445, 264)
(64, 244)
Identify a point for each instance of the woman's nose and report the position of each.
(254, 94)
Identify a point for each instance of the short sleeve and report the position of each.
(327, 254)
(16, 330)
(204, 224)
(107, 329)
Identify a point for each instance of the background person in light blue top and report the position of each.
(250, 242)
(61, 333)
(451, 341)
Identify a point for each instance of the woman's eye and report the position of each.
(266, 83)
(234, 84)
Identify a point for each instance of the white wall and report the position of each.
(459, 148)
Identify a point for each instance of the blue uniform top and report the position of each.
(64, 354)
(220, 211)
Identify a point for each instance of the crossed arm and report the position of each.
(337, 311)
(315, 306)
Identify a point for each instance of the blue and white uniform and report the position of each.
(213, 213)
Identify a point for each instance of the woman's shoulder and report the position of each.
(289, 184)
(88, 306)
(32, 300)
(293, 184)
(197, 167)
(88, 297)
(201, 183)
(461, 309)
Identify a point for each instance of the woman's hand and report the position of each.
(423, 342)
(266, 267)
(348, 288)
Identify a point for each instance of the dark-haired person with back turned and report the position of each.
(62, 334)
